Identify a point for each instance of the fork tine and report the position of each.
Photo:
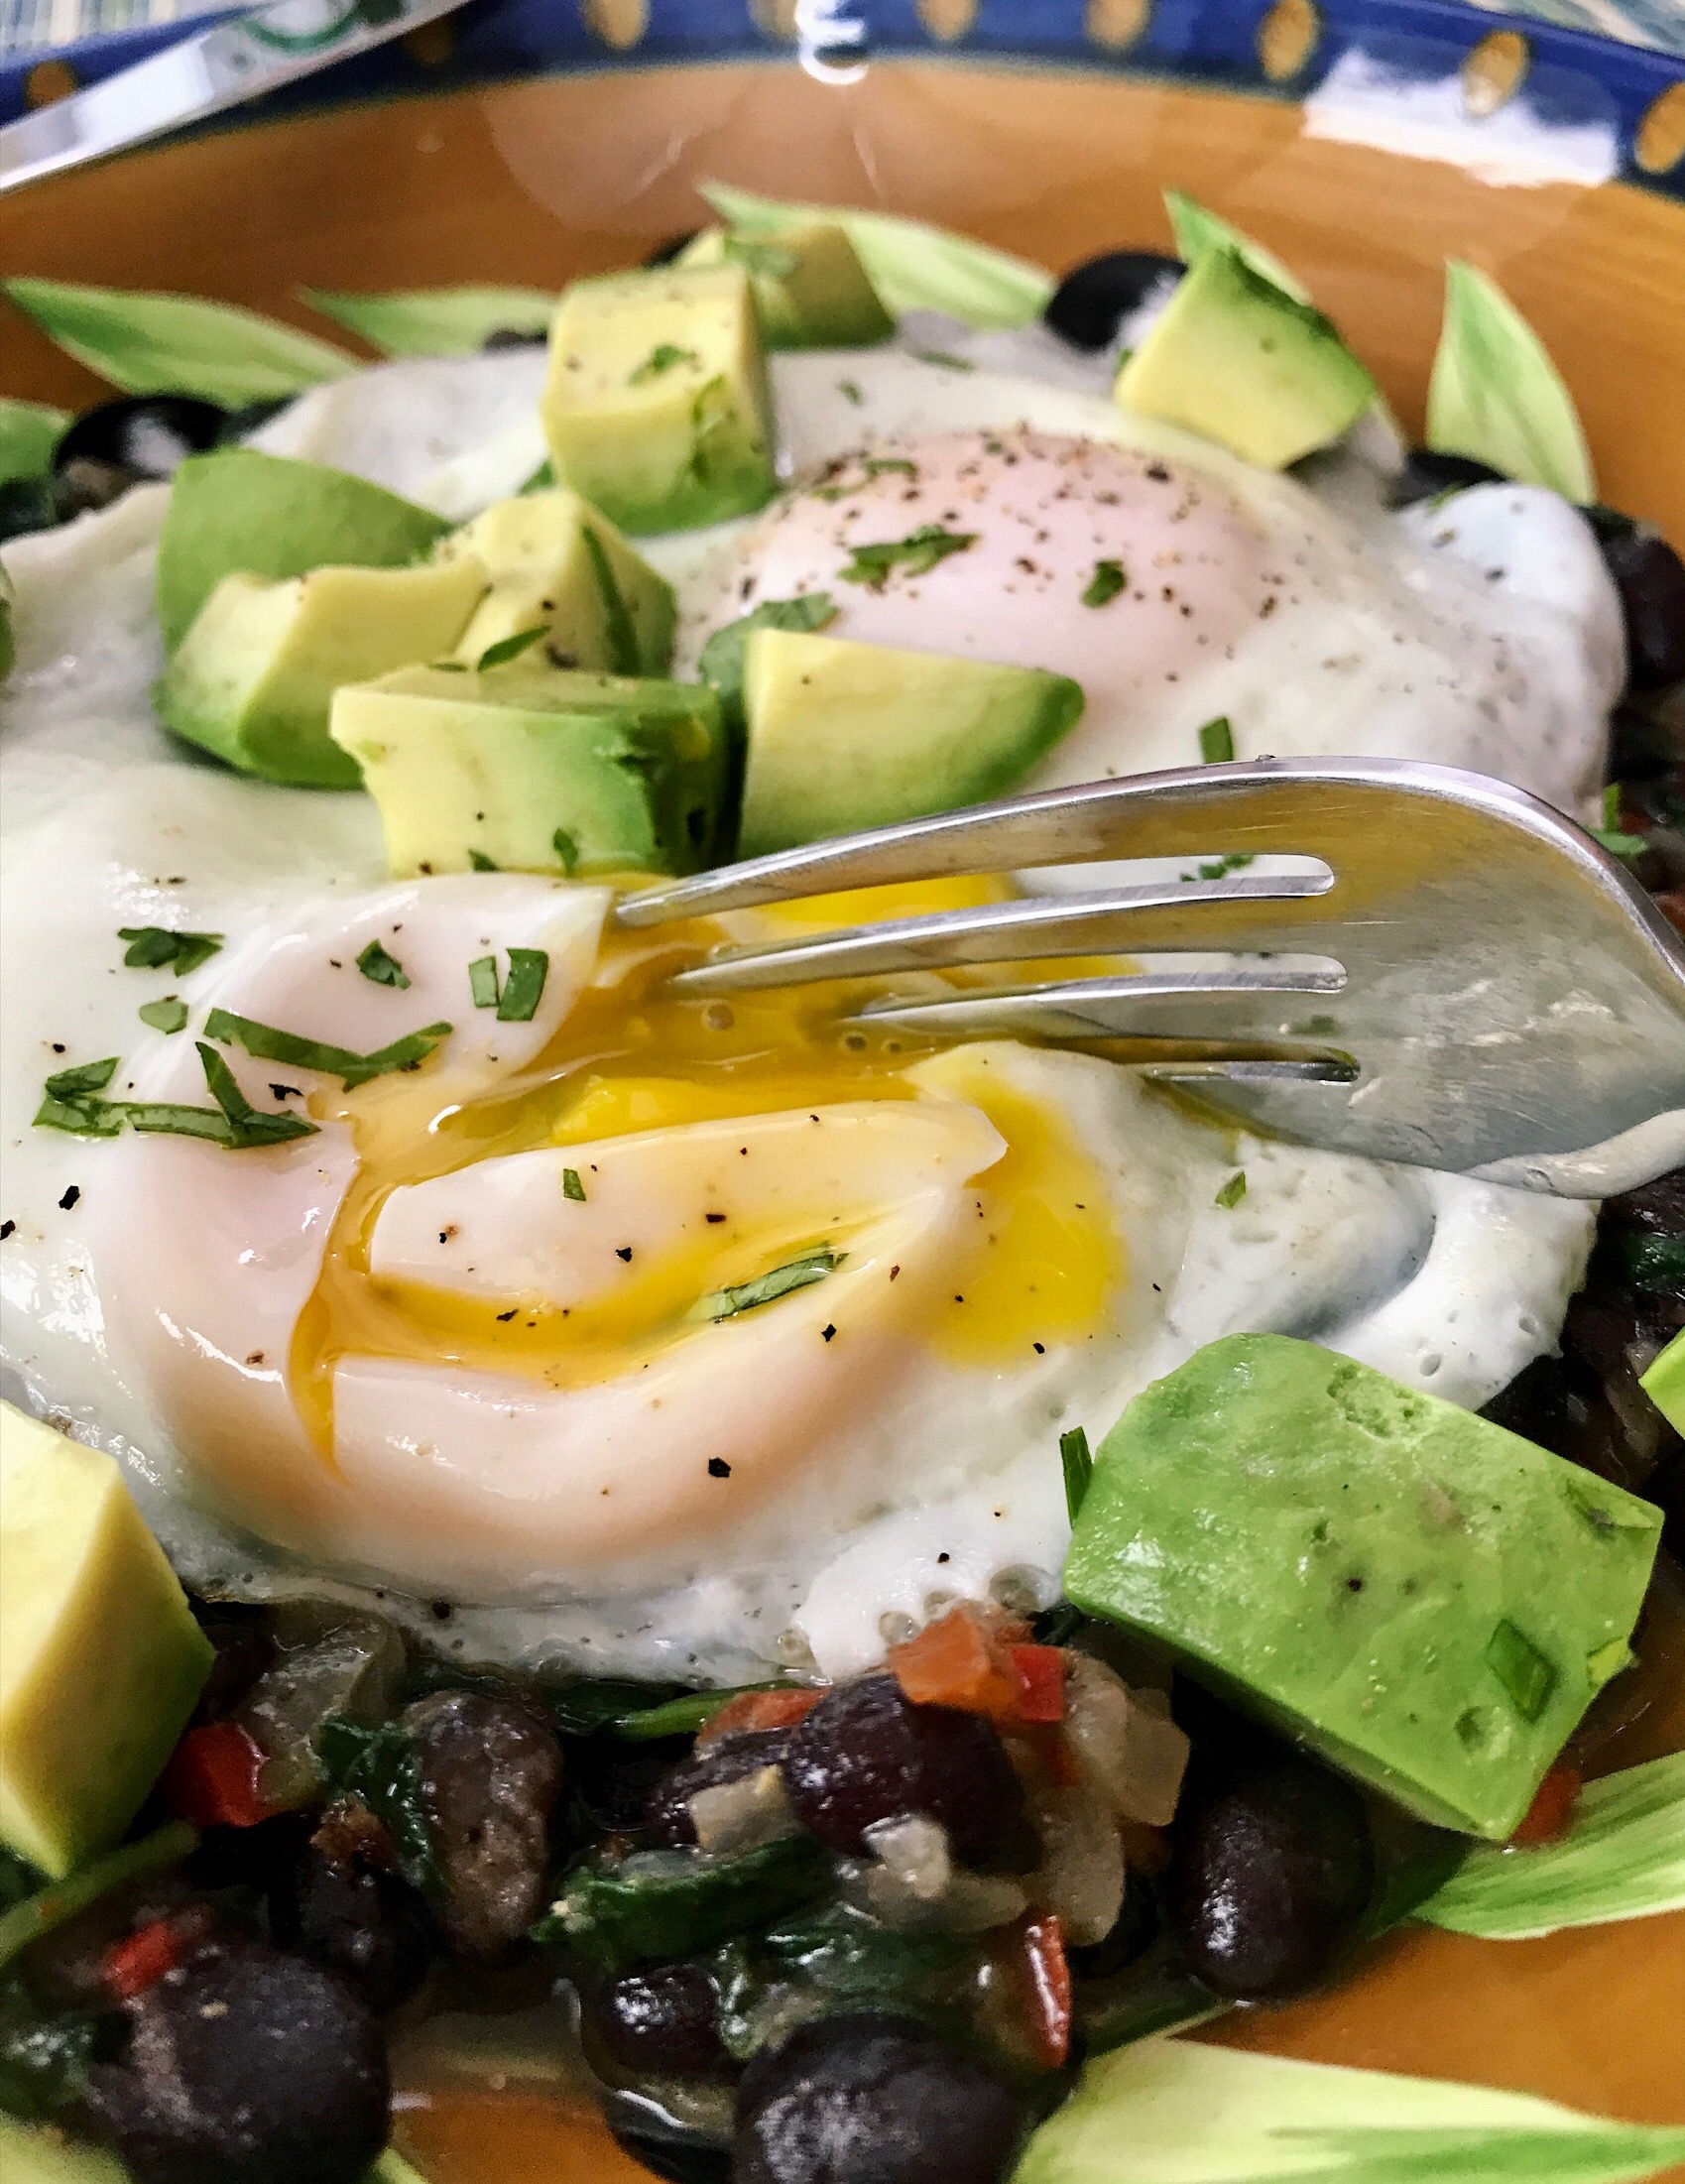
(1254, 807)
(1236, 1009)
(1168, 914)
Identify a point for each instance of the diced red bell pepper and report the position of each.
(213, 1777)
(141, 1961)
(760, 1710)
(1552, 1809)
(1043, 1940)
(964, 1661)
(1040, 1674)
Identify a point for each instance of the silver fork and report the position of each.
(1464, 981)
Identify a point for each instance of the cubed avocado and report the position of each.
(656, 408)
(554, 563)
(843, 736)
(1423, 1597)
(810, 290)
(100, 1658)
(40, 2153)
(1238, 361)
(254, 675)
(270, 516)
(1664, 1384)
(538, 770)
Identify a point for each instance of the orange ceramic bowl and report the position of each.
(1365, 142)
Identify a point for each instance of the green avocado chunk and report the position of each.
(270, 516)
(810, 290)
(254, 677)
(656, 408)
(1238, 361)
(843, 736)
(1423, 1597)
(39, 2153)
(530, 770)
(100, 1658)
(1664, 1384)
(556, 564)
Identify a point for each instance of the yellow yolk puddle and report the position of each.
(631, 1057)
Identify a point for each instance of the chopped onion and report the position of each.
(1128, 1749)
(353, 1667)
(913, 1851)
(969, 1904)
(1081, 1875)
(741, 1815)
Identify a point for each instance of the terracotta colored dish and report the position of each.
(1365, 142)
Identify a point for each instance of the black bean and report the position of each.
(1429, 472)
(1094, 298)
(146, 435)
(1651, 578)
(245, 2066)
(663, 2021)
(676, 2156)
(866, 1753)
(867, 2098)
(1272, 1868)
(490, 1774)
(346, 1912)
(26, 505)
(665, 253)
(727, 1759)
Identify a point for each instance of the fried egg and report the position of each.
(512, 1342)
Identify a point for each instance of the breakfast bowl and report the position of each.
(600, 1581)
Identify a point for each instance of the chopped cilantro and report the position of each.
(872, 467)
(849, 390)
(568, 849)
(1078, 1465)
(1233, 1191)
(480, 862)
(1217, 741)
(798, 1273)
(1105, 584)
(945, 358)
(618, 625)
(166, 1015)
(383, 969)
(571, 1186)
(1219, 868)
(511, 648)
(153, 947)
(483, 981)
(660, 359)
(711, 420)
(917, 554)
(524, 987)
(266, 1042)
(247, 1125)
(721, 662)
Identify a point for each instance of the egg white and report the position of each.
(882, 1491)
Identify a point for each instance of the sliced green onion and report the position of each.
(483, 981)
(684, 1716)
(571, 1186)
(90, 1118)
(1105, 584)
(86, 1076)
(169, 1014)
(247, 1125)
(480, 862)
(568, 849)
(1622, 1856)
(1078, 1465)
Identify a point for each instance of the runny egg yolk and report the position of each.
(633, 1057)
